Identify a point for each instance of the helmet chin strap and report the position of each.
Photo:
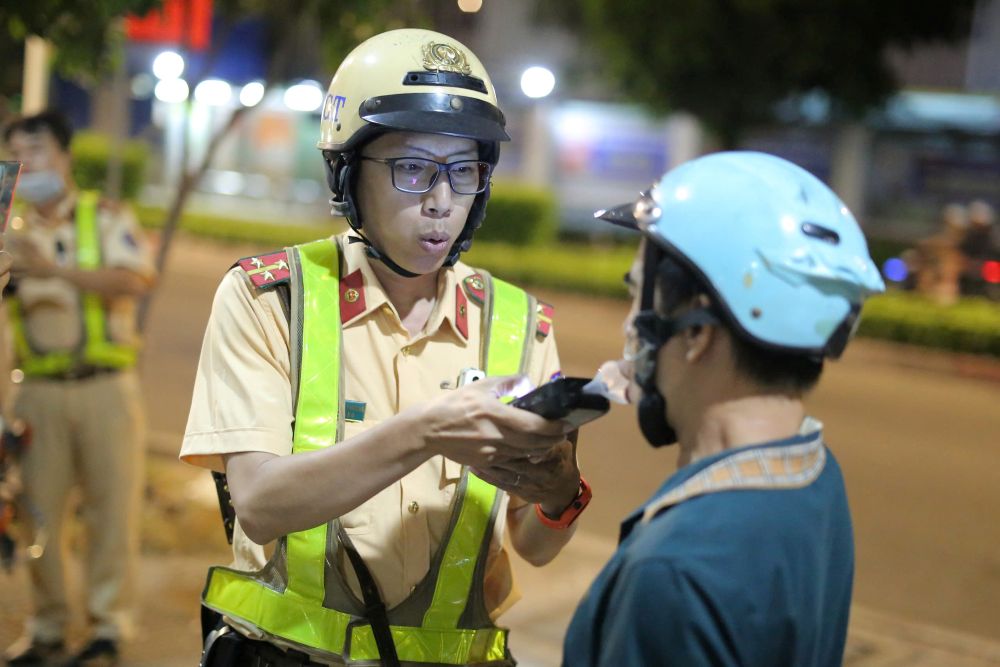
(652, 410)
(654, 331)
(375, 253)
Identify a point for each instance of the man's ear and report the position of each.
(698, 340)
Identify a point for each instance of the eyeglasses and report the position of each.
(417, 175)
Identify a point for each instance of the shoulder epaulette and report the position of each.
(266, 270)
(475, 287)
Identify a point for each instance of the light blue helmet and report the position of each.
(786, 260)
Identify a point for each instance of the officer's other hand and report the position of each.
(551, 480)
(472, 426)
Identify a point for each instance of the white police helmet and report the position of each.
(409, 80)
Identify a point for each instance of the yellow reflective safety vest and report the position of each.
(300, 599)
(95, 348)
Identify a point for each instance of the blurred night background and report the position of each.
(204, 114)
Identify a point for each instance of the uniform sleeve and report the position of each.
(658, 615)
(124, 243)
(242, 397)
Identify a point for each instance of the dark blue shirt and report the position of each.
(749, 577)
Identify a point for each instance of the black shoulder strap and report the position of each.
(225, 504)
(375, 610)
(284, 292)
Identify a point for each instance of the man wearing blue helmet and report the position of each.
(750, 273)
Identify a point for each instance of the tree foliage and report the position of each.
(311, 37)
(83, 33)
(730, 61)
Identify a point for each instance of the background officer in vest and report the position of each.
(751, 272)
(410, 133)
(79, 265)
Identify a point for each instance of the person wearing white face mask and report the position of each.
(80, 263)
(327, 392)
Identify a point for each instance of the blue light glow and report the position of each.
(895, 269)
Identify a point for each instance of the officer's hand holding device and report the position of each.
(563, 398)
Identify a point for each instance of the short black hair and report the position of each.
(769, 367)
(55, 122)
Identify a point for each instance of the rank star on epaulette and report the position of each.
(543, 316)
(266, 270)
(475, 287)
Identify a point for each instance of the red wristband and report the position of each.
(572, 511)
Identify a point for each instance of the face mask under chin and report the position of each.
(652, 410)
(40, 187)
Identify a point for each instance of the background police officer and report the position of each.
(80, 264)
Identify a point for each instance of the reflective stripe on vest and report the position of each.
(285, 600)
(95, 349)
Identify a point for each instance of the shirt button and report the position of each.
(414, 507)
(407, 351)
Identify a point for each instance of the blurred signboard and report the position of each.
(956, 178)
(603, 154)
(186, 23)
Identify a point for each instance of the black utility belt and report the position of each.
(232, 649)
(76, 373)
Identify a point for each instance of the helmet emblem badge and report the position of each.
(445, 57)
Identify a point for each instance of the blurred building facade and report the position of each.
(937, 141)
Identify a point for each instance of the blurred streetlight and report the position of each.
(305, 96)
(470, 6)
(537, 82)
(213, 92)
(171, 90)
(168, 65)
(251, 94)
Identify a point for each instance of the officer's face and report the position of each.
(415, 230)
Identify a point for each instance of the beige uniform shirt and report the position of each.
(242, 402)
(51, 306)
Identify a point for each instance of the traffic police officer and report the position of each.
(347, 354)
(80, 263)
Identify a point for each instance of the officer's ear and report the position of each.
(699, 339)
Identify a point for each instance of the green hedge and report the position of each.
(520, 215)
(567, 266)
(90, 163)
(235, 230)
(971, 325)
(516, 216)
